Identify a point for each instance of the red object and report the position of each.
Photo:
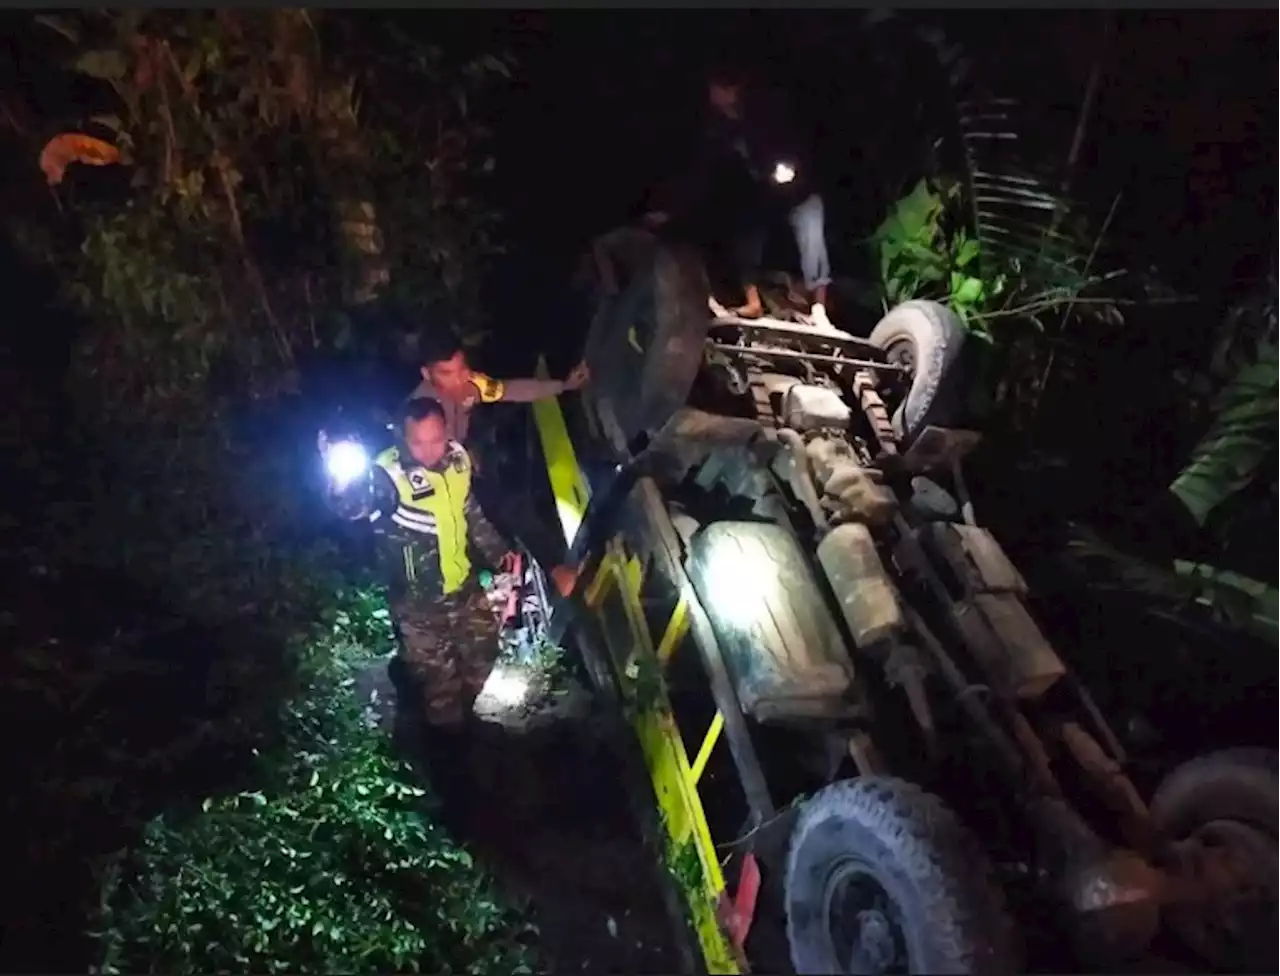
(738, 914)
(512, 563)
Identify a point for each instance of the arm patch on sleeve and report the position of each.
(491, 390)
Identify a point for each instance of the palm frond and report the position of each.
(1240, 441)
(1016, 213)
(1019, 212)
(1185, 593)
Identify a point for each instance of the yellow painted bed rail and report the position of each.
(690, 853)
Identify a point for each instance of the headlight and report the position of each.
(345, 462)
(783, 173)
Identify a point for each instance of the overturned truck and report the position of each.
(844, 712)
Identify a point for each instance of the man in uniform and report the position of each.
(427, 521)
(449, 379)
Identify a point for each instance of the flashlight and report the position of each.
(345, 462)
(783, 173)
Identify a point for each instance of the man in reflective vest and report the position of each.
(427, 521)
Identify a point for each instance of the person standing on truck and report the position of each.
(419, 501)
(750, 155)
(448, 378)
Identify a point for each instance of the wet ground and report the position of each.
(556, 830)
(548, 816)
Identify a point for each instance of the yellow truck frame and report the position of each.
(629, 636)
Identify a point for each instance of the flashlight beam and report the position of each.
(345, 462)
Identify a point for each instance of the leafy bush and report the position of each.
(269, 168)
(330, 866)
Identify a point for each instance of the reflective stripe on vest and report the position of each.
(433, 502)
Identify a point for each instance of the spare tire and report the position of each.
(1225, 803)
(926, 337)
(646, 345)
(882, 877)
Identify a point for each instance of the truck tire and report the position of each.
(882, 877)
(927, 337)
(645, 347)
(1227, 802)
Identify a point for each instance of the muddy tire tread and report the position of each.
(937, 857)
(1231, 784)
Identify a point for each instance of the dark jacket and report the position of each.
(427, 522)
(738, 156)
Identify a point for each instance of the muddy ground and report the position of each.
(546, 813)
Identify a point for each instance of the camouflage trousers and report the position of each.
(449, 645)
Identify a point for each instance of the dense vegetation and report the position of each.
(980, 214)
(199, 636)
(277, 211)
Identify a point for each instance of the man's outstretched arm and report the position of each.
(527, 390)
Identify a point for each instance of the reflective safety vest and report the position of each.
(432, 502)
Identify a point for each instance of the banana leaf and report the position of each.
(1022, 219)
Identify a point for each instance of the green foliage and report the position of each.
(329, 866)
(1017, 212)
(1241, 440)
(988, 226)
(1178, 592)
(330, 861)
(215, 270)
(925, 249)
(920, 258)
(272, 171)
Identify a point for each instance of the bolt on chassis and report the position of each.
(841, 707)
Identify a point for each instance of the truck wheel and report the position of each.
(646, 348)
(926, 338)
(882, 878)
(1220, 812)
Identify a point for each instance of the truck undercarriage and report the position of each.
(787, 592)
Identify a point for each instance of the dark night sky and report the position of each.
(1185, 122)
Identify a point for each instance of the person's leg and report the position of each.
(430, 661)
(435, 688)
(808, 223)
(747, 255)
(476, 626)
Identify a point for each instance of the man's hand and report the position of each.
(565, 579)
(322, 444)
(577, 377)
(655, 218)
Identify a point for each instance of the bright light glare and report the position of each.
(346, 461)
(784, 173)
(739, 588)
(507, 687)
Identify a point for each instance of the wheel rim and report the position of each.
(1233, 925)
(863, 922)
(902, 353)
